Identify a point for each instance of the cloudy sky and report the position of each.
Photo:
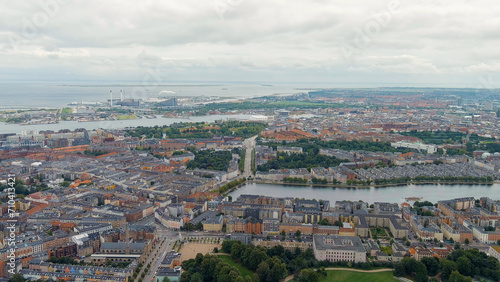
(448, 42)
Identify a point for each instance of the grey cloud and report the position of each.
(195, 41)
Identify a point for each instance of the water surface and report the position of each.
(394, 194)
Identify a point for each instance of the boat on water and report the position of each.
(413, 199)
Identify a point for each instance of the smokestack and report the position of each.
(121, 95)
(111, 95)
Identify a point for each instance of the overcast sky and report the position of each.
(450, 42)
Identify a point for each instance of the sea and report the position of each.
(19, 95)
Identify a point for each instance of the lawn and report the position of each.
(243, 270)
(379, 232)
(347, 276)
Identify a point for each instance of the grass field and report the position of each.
(348, 276)
(378, 232)
(243, 270)
(122, 117)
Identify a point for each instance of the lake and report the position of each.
(393, 194)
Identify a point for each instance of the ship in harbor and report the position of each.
(413, 199)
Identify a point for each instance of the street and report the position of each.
(156, 260)
(249, 145)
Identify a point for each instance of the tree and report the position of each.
(256, 257)
(196, 278)
(276, 251)
(399, 270)
(322, 271)
(457, 277)
(447, 267)
(431, 264)
(410, 265)
(17, 278)
(308, 275)
(464, 266)
(263, 271)
(227, 245)
(199, 226)
(467, 241)
(185, 276)
(207, 269)
(225, 273)
(324, 221)
(421, 272)
(236, 250)
(278, 269)
(189, 226)
(457, 246)
(297, 234)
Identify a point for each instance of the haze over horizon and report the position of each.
(380, 42)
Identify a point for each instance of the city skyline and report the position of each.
(237, 140)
